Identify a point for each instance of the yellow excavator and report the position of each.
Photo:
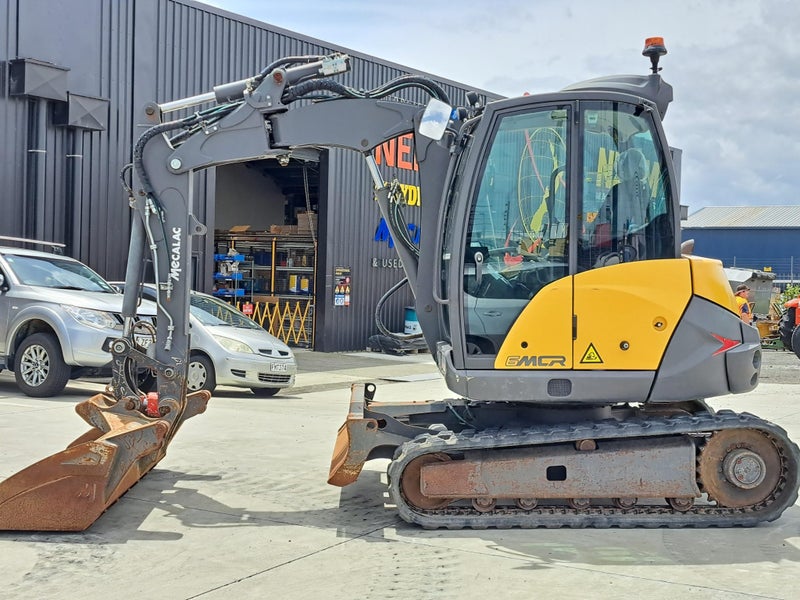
(579, 343)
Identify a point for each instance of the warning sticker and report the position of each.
(591, 356)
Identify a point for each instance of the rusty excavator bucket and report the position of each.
(69, 490)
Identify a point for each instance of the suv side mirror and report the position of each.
(3, 286)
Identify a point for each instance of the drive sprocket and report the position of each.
(741, 468)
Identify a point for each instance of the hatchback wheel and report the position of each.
(39, 366)
(201, 374)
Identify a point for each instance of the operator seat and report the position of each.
(624, 213)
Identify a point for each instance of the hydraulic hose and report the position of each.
(403, 337)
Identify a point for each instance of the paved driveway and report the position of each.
(239, 508)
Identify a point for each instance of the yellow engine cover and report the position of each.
(626, 313)
(710, 282)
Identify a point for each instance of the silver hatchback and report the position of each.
(228, 348)
(57, 318)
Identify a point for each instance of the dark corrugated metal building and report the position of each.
(69, 104)
(751, 237)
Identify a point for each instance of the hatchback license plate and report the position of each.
(143, 340)
(277, 367)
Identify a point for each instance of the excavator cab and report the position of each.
(544, 193)
(552, 191)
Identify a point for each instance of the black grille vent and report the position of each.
(270, 378)
(559, 387)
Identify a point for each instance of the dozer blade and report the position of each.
(354, 442)
(69, 490)
(370, 431)
(355, 439)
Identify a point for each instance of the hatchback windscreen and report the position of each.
(210, 311)
(57, 273)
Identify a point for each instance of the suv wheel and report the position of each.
(200, 375)
(39, 366)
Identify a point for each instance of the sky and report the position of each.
(734, 66)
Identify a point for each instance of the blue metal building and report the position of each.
(765, 238)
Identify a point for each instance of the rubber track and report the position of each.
(505, 517)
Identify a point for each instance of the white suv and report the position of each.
(57, 317)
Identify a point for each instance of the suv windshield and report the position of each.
(56, 273)
(210, 311)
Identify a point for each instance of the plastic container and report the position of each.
(411, 322)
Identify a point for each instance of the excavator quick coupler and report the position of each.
(69, 490)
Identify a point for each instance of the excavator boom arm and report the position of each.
(253, 128)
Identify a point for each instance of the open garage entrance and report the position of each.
(265, 243)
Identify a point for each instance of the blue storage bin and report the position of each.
(230, 257)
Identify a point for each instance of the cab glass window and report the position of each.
(518, 223)
(626, 201)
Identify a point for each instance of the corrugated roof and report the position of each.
(744, 216)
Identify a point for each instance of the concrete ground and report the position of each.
(239, 508)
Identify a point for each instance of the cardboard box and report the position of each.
(239, 228)
(306, 222)
(283, 229)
